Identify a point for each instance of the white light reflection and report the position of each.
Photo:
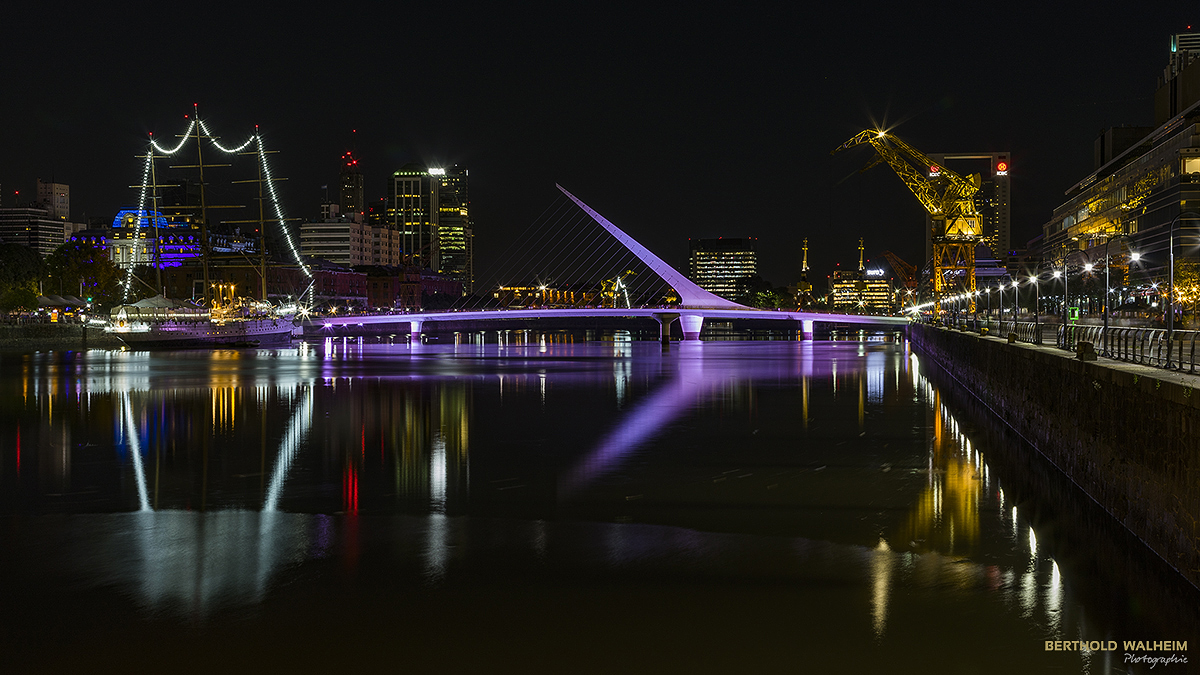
(1028, 594)
(437, 547)
(1054, 599)
(135, 449)
(622, 371)
(437, 474)
(297, 429)
(881, 578)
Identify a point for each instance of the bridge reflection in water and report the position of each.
(214, 479)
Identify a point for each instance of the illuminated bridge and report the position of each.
(695, 304)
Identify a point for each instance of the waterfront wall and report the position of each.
(56, 336)
(1126, 435)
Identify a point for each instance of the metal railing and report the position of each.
(1144, 346)
(1147, 346)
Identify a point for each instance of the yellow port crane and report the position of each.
(947, 198)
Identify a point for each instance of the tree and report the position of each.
(80, 265)
(20, 270)
(754, 291)
(1187, 285)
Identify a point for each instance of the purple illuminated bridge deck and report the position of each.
(696, 304)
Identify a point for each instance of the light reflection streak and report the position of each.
(1054, 598)
(437, 547)
(199, 560)
(881, 576)
(288, 446)
(131, 435)
(437, 474)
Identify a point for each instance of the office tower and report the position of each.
(350, 201)
(56, 198)
(413, 204)
(716, 265)
(455, 229)
(35, 227)
(1179, 84)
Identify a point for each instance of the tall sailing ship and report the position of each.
(219, 318)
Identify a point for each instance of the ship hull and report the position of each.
(205, 334)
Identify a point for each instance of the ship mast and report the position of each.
(205, 251)
(158, 284)
(262, 218)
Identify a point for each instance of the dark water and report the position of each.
(547, 507)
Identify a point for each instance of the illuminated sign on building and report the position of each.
(874, 273)
(437, 172)
(1002, 168)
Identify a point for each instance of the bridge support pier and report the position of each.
(414, 330)
(691, 323)
(807, 328)
(664, 320)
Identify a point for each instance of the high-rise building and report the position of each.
(1179, 85)
(455, 229)
(351, 202)
(56, 198)
(413, 208)
(992, 200)
(34, 227)
(716, 265)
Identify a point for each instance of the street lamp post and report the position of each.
(1066, 303)
(988, 322)
(1016, 303)
(1107, 291)
(1000, 292)
(1037, 310)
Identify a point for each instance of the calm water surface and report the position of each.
(547, 506)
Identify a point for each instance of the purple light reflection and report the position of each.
(701, 370)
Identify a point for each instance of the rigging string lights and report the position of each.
(255, 138)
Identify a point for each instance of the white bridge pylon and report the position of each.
(691, 296)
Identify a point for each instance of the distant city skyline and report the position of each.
(675, 122)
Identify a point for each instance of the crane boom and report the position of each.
(946, 196)
(908, 273)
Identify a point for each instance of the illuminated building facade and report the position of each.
(171, 243)
(455, 229)
(346, 241)
(1133, 198)
(413, 207)
(544, 296)
(864, 291)
(716, 265)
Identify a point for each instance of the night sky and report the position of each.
(673, 120)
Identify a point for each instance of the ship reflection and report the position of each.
(234, 468)
(194, 561)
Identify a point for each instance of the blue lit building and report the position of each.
(141, 237)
